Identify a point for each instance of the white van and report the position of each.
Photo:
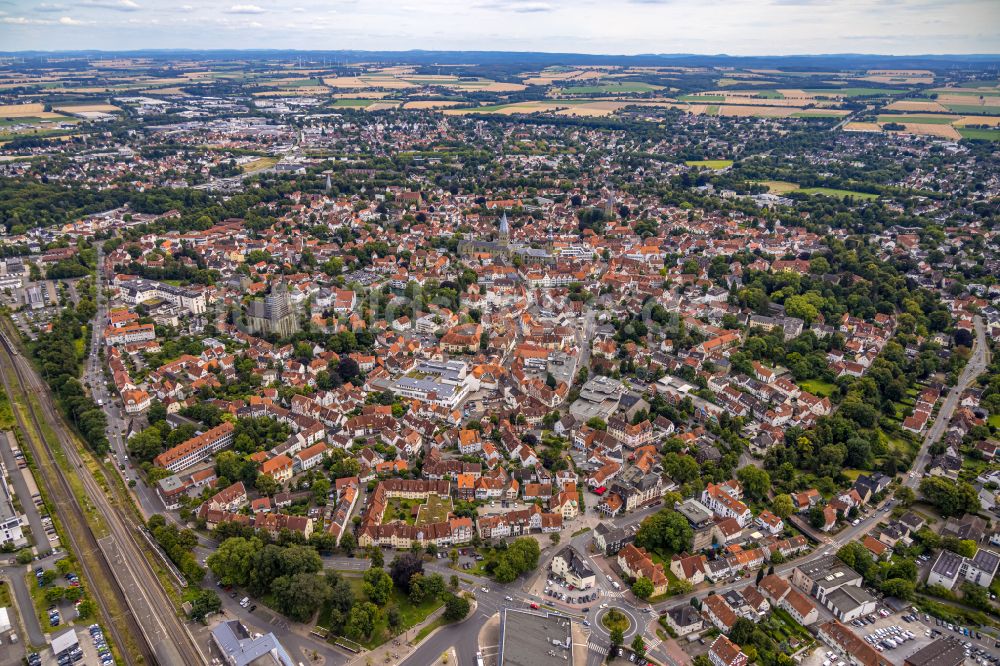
(616, 585)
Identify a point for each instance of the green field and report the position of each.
(853, 92)
(610, 88)
(994, 421)
(354, 102)
(710, 164)
(816, 114)
(304, 83)
(973, 109)
(923, 120)
(984, 134)
(818, 387)
(768, 94)
(702, 98)
(830, 192)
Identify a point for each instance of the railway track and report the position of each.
(137, 611)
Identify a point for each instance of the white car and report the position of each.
(485, 589)
(509, 598)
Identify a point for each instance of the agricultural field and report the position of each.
(710, 164)
(947, 126)
(615, 88)
(779, 186)
(982, 134)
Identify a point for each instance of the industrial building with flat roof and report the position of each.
(535, 639)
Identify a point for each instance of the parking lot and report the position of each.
(897, 636)
(559, 589)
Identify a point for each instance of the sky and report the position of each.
(735, 27)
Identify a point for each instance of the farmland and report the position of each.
(609, 89)
(710, 164)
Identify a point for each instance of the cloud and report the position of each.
(116, 5)
(245, 9)
(21, 20)
(517, 6)
(66, 20)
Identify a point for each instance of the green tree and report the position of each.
(299, 596)
(455, 608)
(361, 620)
(642, 588)
(234, 559)
(665, 530)
(756, 482)
(378, 586)
(952, 498)
(782, 506)
(639, 646)
(205, 603)
(905, 496)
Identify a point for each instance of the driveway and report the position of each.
(25, 607)
(21, 488)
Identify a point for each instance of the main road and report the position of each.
(978, 362)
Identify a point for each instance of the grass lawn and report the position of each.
(994, 421)
(436, 510)
(712, 110)
(423, 633)
(853, 474)
(710, 164)
(840, 194)
(982, 134)
(401, 509)
(818, 387)
(5, 601)
(792, 627)
(615, 619)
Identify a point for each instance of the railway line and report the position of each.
(137, 611)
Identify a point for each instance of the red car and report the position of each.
(534, 606)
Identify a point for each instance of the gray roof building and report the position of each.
(946, 651)
(535, 639)
(239, 648)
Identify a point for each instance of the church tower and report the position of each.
(504, 237)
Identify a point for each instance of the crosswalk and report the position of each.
(597, 647)
(614, 594)
(653, 643)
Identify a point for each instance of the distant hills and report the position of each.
(540, 59)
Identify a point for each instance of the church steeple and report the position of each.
(504, 230)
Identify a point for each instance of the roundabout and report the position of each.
(609, 619)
